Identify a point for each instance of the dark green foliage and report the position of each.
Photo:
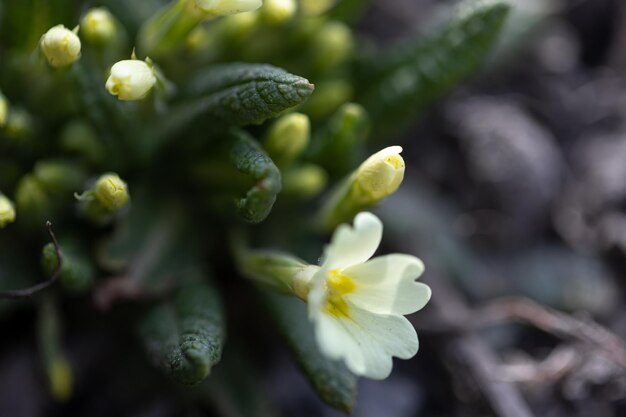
(341, 144)
(402, 82)
(250, 159)
(184, 338)
(335, 384)
(77, 271)
(243, 94)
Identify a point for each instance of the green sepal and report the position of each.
(250, 159)
(334, 383)
(244, 94)
(401, 83)
(184, 337)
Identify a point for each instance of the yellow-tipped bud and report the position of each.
(381, 174)
(288, 137)
(4, 110)
(111, 192)
(131, 79)
(211, 8)
(60, 45)
(315, 7)
(278, 11)
(98, 26)
(7, 211)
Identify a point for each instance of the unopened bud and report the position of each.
(33, 204)
(98, 26)
(111, 192)
(131, 79)
(331, 45)
(4, 110)
(212, 8)
(315, 7)
(380, 175)
(7, 211)
(305, 181)
(59, 178)
(61, 46)
(278, 11)
(288, 137)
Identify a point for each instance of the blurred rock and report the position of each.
(511, 153)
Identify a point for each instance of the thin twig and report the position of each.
(556, 323)
(30, 291)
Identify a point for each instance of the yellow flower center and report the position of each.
(337, 286)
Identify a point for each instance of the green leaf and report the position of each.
(184, 338)
(402, 82)
(250, 159)
(334, 383)
(244, 94)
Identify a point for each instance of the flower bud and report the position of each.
(332, 44)
(60, 45)
(98, 26)
(19, 124)
(278, 11)
(315, 7)
(381, 174)
(59, 178)
(32, 202)
(4, 110)
(7, 211)
(111, 192)
(305, 181)
(210, 8)
(131, 79)
(288, 137)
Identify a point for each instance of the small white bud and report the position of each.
(98, 26)
(381, 174)
(61, 46)
(131, 79)
(7, 211)
(226, 7)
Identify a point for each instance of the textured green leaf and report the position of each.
(184, 338)
(334, 383)
(243, 94)
(408, 78)
(250, 159)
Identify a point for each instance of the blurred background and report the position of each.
(515, 198)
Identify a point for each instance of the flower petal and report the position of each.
(366, 341)
(386, 285)
(354, 245)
